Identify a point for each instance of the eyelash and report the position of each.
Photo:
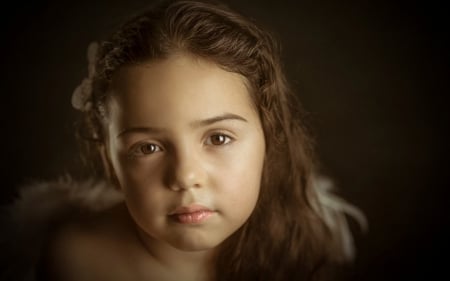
(226, 137)
(137, 150)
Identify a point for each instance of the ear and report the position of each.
(108, 167)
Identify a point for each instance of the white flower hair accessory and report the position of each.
(82, 94)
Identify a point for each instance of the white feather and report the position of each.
(335, 211)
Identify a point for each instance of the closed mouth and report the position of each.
(191, 214)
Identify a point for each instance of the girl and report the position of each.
(210, 175)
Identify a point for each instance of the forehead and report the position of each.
(181, 86)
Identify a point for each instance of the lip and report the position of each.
(191, 214)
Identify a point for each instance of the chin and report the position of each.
(192, 244)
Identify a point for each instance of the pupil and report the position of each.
(218, 139)
(148, 148)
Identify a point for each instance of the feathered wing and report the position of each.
(335, 212)
(42, 207)
(39, 209)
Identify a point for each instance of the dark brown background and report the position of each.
(372, 74)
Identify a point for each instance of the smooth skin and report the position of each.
(182, 132)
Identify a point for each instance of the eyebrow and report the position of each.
(212, 120)
(194, 124)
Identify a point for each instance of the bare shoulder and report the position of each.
(95, 248)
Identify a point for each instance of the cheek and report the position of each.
(146, 198)
(135, 174)
(141, 183)
(241, 183)
(239, 195)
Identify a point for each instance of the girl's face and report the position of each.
(187, 147)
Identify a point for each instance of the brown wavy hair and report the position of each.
(285, 238)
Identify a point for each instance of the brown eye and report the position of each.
(218, 139)
(144, 149)
(148, 148)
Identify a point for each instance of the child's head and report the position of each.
(188, 95)
(183, 136)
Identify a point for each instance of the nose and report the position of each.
(186, 170)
